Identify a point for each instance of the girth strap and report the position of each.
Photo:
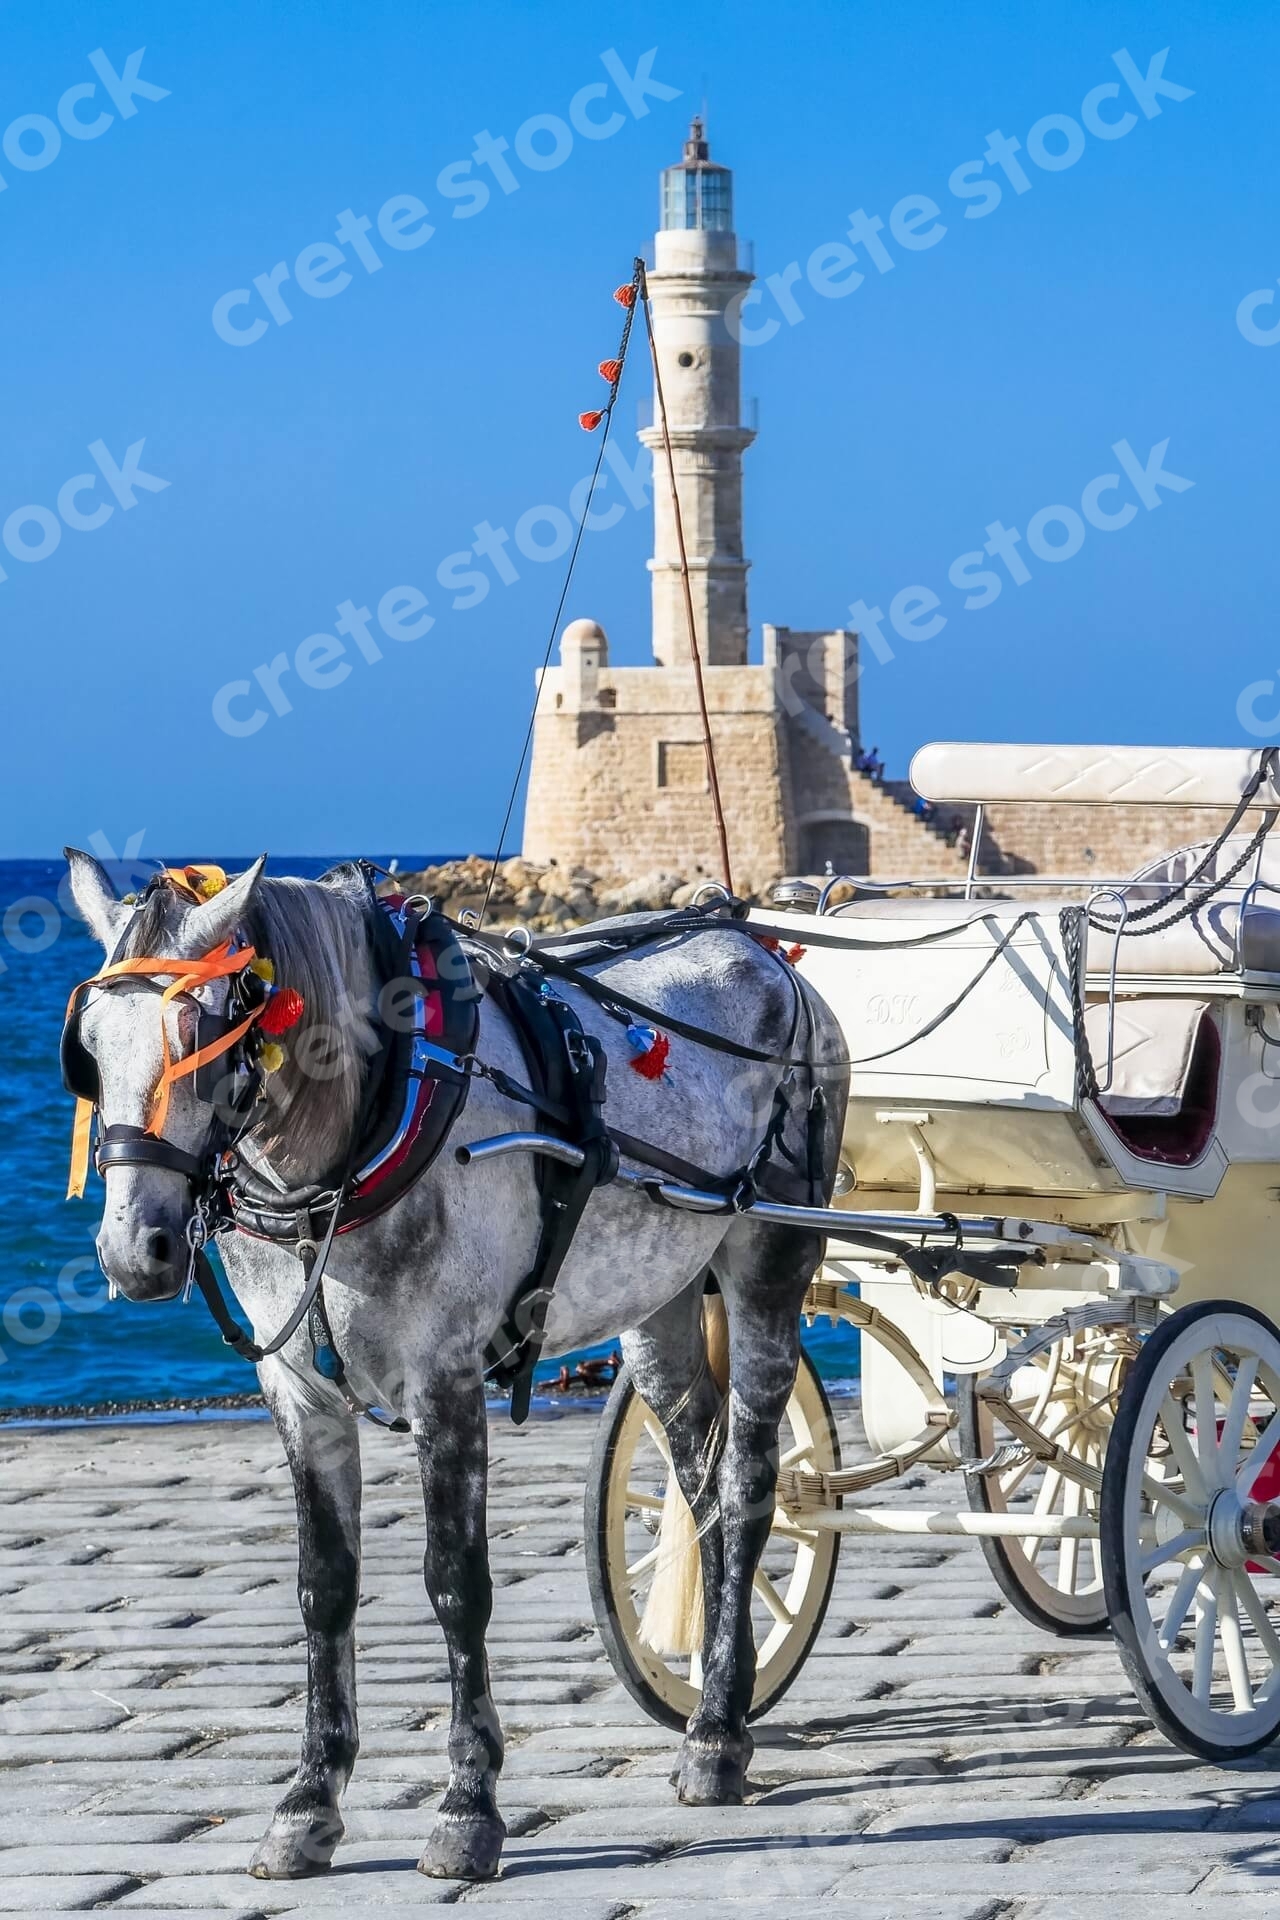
(568, 1069)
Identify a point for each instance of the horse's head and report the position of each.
(123, 1048)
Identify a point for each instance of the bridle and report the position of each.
(233, 1037)
(230, 1036)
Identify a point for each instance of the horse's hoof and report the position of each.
(298, 1846)
(464, 1848)
(711, 1777)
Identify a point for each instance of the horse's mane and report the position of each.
(315, 934)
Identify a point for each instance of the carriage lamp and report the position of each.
(846, 1178)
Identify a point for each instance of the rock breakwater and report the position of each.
(545, 898)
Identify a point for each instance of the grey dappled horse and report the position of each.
(415, 1295)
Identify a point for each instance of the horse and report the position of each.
(413, 1297)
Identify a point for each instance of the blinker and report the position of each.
(217, 1035)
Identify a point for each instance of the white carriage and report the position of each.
(1085, 1078)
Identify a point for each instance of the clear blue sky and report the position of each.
(348, 452)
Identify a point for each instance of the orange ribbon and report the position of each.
(188, 974)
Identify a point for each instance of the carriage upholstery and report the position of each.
(1159, 1074)
(1012, 772)
(1240, 930)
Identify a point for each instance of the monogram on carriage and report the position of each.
(1018, 1135)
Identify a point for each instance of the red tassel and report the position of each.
(589, 421)
(626, 296)
(611, 370)
(769, 940)
(282, 1011)
(652, 1065)
(794, 954)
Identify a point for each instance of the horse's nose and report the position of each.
(146, 1263)
(160, 1247)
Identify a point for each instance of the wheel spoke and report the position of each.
(1257, 1460)
(1159, 1494)
(1048, 1493)
(1206, 1640)
(1237, 1414)
(645, 1564)
(1180, 1446)
(1183, 1594)
(1233, 1646)
(1185, 1542)
(1068, 1549)
(773, 1599)
(1266, 1633)
(802, 1451)
(646, 1502)
(653, 1428)
(1206, 1416)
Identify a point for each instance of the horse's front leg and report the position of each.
(450, 1428)
(323, 1450)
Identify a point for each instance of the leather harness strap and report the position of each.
(609, 996)
(313, 1260)
(124, 1146)
(569, 1069)
(566, 1065)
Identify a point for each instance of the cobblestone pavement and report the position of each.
(937, 1757)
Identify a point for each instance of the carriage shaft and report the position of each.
(839, 1222)
(1017, 1526)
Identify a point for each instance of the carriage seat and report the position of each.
(1229, 933)
(1212, 941)
(1162, 1100)
(1225, 936)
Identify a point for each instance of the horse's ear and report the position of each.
(214, 921)
(95, 897)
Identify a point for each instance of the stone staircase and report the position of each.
(904, 845)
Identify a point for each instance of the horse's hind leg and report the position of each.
(451, 1433)
(667, 1361)
(323, 1449)
(763, 1273)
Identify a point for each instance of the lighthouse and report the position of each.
(695, 286)
(618, 782)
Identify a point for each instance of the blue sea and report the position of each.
(61, 1343)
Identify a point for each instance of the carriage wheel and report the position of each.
(1069, 1393)
(625, 1492)
(1191, 1529)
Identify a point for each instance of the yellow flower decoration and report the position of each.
(201, 881)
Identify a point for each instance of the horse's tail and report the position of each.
(673, 1620)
